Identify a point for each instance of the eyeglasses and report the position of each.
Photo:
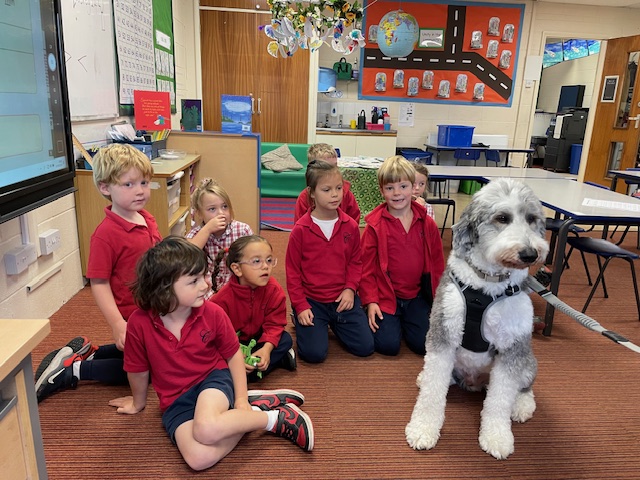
(256, 263)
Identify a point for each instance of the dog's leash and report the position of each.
(579, 317)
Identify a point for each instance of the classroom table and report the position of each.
(506, 150)
(364, 186)
(633, 175)
(484, 174)
(575, 202)
(583, 204)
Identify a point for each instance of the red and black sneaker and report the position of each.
(79, 345)
(294, 425)
(271, 399)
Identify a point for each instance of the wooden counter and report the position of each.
(21, 449)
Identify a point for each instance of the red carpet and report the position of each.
(277, 213)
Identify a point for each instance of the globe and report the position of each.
(398, 33)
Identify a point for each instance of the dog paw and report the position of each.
(419, 378)
(524, 407)
(420, 436)
(496, 444)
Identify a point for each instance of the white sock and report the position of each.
(257, 409)
(273, 418)
(76, 369)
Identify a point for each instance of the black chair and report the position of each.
(466, 154)
(492, 156)
(603, 249)
(450, 203)
(628, 227)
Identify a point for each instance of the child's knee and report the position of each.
(312, 355)
(387, 346)
(206, 431)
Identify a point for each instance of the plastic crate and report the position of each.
(416, 155)
(455, 135)
(469, 186)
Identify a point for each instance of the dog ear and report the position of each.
(464, 231)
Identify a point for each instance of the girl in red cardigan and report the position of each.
(256, 304)
(324, 269)
(402, 262)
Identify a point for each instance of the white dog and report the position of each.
(484, 341)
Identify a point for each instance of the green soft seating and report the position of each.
(283, 184)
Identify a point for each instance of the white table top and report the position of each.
(567, 197)
(486, 173)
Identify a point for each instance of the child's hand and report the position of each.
(217, 225)
(249, 368)
(119, 333)
(345, 300)
(125, 405)
(305, 318)
(374, 313)
(264, 353)
(420, 201)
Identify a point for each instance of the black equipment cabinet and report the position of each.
(558, 151)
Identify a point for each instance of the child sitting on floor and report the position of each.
(187, 348)
(349, 205)
(256, 305)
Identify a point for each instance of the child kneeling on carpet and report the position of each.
(402, 262)
(216, 229)
(323, 271)
(189, 351)
(257, 306)
(349, 205)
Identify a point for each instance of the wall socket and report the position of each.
(18, 259)
(49, 241)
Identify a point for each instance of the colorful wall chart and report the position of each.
(455, 53)
(145, 49)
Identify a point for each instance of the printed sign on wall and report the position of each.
(437, 53)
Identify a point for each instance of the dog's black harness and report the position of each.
(476, 303)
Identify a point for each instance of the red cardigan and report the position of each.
(319, 268)
(376, 286)
(252, 310)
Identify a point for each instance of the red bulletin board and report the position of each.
(457, 21)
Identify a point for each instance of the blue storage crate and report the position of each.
(455, 135)
(416, 155)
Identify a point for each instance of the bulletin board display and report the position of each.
(463, 53)
(145, 49)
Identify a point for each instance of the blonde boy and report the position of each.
(402, 262)
(122, 174)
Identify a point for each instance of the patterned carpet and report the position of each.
(586, 426)
(277, 213)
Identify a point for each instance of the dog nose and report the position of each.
(528, 255)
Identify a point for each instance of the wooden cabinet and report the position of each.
(21, 449)
(171, 210)
(235, 61)
(354, 144)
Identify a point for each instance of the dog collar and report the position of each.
(501, 277)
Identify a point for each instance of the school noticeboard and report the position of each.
(455, 53)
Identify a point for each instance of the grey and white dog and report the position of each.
(481, 321)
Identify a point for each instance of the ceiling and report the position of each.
(598, 3)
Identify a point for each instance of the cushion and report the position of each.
(280, 160)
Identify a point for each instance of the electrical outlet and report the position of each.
(18, 259)
(49, 241)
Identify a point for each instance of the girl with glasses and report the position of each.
(256, 305)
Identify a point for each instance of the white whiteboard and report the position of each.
(90, 58)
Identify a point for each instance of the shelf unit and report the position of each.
(90, 203)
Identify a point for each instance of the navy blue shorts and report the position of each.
(184, 408)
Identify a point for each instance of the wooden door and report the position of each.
(229, 62)
(235, 61)
(616, 128)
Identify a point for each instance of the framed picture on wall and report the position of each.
(609, 89)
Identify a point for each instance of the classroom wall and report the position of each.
(574, 72)
(15, 302)
(541, 20)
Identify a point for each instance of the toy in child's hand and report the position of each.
(248, 358)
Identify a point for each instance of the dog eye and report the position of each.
(531, 218)
(503, 218)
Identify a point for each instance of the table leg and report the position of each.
(557, 272)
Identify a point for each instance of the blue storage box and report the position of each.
(455, 135)
(416, 155)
